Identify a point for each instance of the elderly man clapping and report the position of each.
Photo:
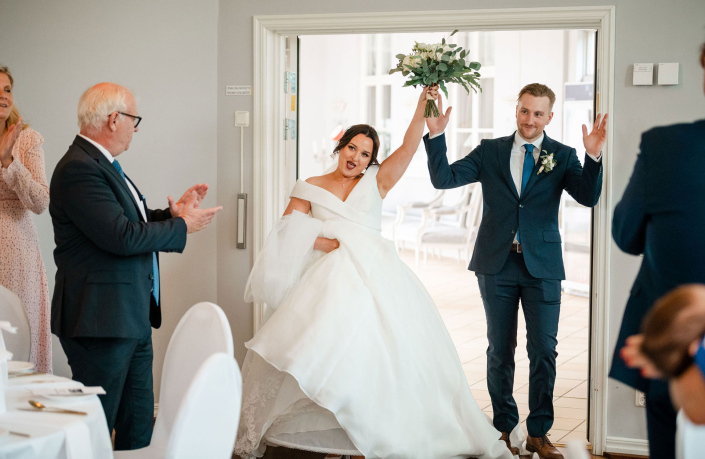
(107, 245)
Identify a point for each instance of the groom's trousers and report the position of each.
(540, 299)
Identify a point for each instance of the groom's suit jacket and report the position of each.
(504, 211)
(104, 249)
(662, 216)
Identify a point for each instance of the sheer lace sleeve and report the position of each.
(281, 262)
(26, 176)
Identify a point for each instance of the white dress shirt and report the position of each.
(110, 158)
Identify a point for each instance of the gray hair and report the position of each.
(98, 102)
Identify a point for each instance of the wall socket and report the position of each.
(640, 398)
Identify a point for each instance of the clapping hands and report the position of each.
(634, 358)
(7, 142)
(188, 208)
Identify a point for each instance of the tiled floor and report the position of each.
(457, 296)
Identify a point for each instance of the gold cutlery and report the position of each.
(38, 406)
(22, 375)
(20, 434)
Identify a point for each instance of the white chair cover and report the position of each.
(208, 418)
(202, 331)
(11, 310)
(690, 438)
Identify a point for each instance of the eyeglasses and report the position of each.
(137, 119)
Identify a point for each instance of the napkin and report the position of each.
(68, 391)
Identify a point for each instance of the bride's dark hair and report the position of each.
(366, 130)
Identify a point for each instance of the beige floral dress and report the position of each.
(23, 191)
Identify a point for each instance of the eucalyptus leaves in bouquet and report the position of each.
(439, 64)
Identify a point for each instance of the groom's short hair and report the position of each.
(538, 90)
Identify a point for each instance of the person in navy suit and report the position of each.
(662, 216)
(107, 293)
(517, 254)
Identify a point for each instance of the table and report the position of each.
(53, 435)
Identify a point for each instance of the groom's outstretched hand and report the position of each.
(438, 125)
(596, 139)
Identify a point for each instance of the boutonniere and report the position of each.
(547, 162)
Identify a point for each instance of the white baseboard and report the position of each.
(627, 446)
(156, 409)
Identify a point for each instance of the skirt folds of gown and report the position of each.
(362, 339)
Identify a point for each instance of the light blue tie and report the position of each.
(526, 172)
(155, 265)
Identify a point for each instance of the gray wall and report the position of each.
(647, 31)
(165, 52)
(172, 52)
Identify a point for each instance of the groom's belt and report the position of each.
(516, 247)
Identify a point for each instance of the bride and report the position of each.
(354, 357)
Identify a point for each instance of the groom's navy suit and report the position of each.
(662, 216)
(533, 275)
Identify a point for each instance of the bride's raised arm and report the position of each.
(394, 167)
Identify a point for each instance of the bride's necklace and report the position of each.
(343, 184)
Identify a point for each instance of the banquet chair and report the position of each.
(11, 310)
(202, 331)
(207, 418)
(434, 234)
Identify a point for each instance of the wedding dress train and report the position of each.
(355, 357)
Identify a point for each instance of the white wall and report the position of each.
(165, 51)
(647, 31)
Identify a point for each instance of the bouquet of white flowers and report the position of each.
(438, 64)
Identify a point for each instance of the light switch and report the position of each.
(242, 119)
(643, 74)
(668, 73)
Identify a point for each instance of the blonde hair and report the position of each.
(538, 90)
(98, 102)
(14, 112)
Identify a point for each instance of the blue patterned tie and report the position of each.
(526, 172)
(155, 265)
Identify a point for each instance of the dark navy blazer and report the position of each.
(662, 216)
(104, 249)
(504, 211)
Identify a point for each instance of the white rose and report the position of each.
(405, 62)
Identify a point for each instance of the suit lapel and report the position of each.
(547, 145)
(96, 154)
(504, 154)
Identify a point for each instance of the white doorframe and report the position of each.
(269, 173)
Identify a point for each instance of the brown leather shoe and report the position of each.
(513, 449)
(543, 447)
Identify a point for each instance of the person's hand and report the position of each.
(196, 218)
(438, 125)
(325, 244)
(596, 139)
(632, 356)
(427, 91)
(7, 143)
(200, 190)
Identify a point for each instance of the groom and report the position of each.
(517, 254)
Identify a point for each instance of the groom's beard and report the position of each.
(530, 134)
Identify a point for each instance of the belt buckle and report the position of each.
(518, 248)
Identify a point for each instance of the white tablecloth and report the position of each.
(53, 435)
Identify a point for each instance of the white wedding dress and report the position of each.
(355, 359)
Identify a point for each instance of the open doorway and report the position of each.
(344, 80)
